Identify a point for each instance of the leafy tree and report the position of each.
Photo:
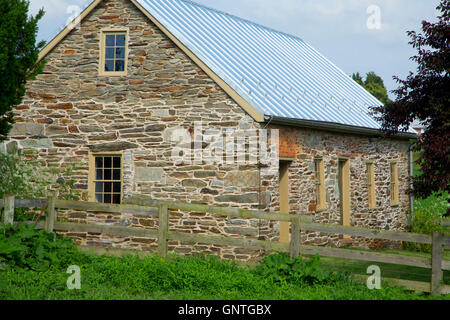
(374, 84)
(18, 57)
(426, 96)
(25, 177)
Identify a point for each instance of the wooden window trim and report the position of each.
(91, 180)
(345, 192)
(394, 184)
(101, 66)
(319, 172)
(371, 184)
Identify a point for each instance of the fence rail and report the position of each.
(144, 207)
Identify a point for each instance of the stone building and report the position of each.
(130, 81)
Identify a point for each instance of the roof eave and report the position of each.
(337, 127)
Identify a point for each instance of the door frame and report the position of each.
(344, 191)
(284, 199)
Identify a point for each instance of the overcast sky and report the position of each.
(345, 31)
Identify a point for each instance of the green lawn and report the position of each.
(388, 270)
(182, 278)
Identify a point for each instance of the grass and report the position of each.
(132, 277)
(388, 270)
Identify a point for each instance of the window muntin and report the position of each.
(108, 179)
(115, 52)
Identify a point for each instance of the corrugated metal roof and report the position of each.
(278, 74)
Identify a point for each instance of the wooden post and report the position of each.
(294, 249)
(436, 270)
(163, 230)
(8, 215)
(50, 218)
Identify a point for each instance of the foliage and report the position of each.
(374, 84)
(18, 56)
(426, 96)
(34, 267)
(281, 268)
(428, 213)
(24, 247)
(180, 278)
(25, 178)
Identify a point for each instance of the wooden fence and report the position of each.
(143, 207)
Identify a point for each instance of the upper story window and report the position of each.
(113, 53)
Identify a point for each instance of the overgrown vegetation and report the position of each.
(34, 267)
(428, 214)
(26, 178)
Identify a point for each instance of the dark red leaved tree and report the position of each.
(426, 96)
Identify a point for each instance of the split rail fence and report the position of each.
(149, 208)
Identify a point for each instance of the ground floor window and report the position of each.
(107, 178)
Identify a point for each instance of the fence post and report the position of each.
(50, 218)
(436, 262)
(294, 249)
(163, 230)
(8, 215)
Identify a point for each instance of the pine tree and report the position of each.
(18, 57)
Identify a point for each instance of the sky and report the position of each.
(356, 35)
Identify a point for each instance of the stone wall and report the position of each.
(70, 111)
(358, 149)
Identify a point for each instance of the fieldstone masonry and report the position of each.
(70, 111)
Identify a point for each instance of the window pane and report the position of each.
(107, 174)
(99, 187)
(99, 174)
(120, 65)
(120, 40)
(110, 40)
(116, 174)
(107, 187)
(99, 197)
(108, 162)
(116, 198)
(109, 53)
(99, 162)
(109, 65)
(117, 162)
(107, 198)
(116, 187)
(120, 53)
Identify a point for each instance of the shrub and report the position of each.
(281, 268)
(24, 247)
(26, 178)
(428, 214)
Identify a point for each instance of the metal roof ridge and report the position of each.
(243, 19)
